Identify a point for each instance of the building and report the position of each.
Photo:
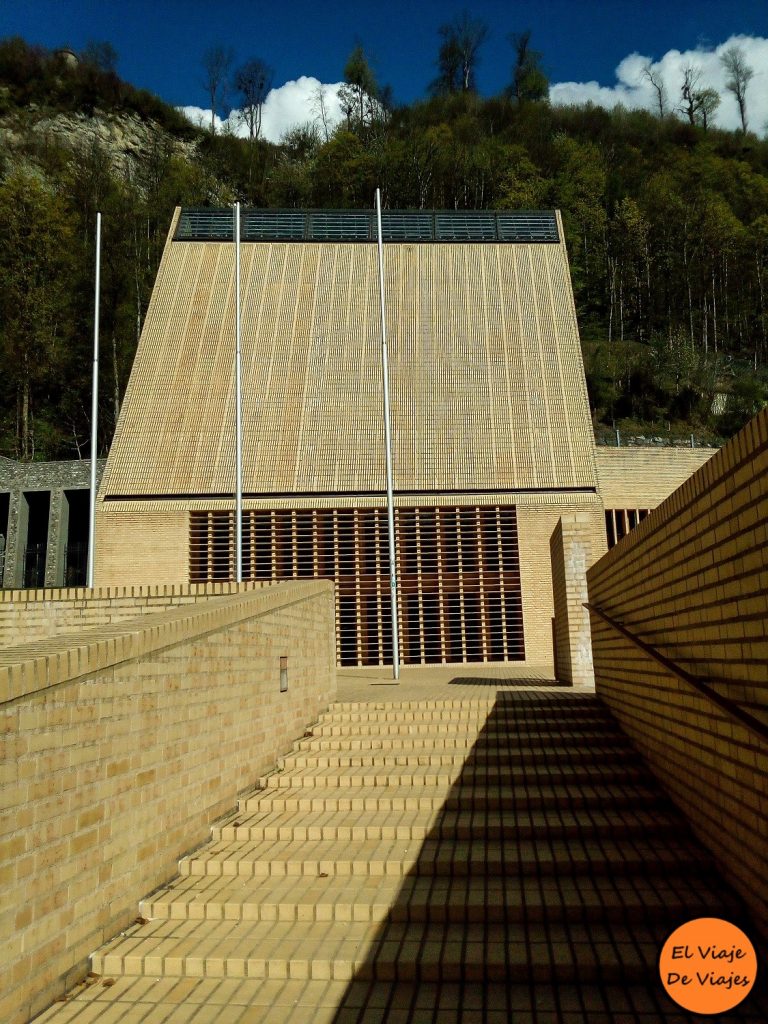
(492, 436)
(44, 514)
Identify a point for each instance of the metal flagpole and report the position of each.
(388, 443)
(238, 412)
(94, 404)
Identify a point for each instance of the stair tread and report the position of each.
(431, 775)
(450, 794)
(400, 851)
(443, 821)
(636, 894)
(355, 941)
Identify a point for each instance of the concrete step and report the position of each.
(399, 857)
(402, 755)
(354, 826)
(470, 716)
(466, 745)
(409, 951)
(514, 799)
(215, 1000)
(496, 729)
(668, 898)
(472, 777)
(522, 701)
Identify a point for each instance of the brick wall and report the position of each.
(129, 536)
(27, 615)
(692, 581)
(571, 554)
(136, 546)
(121, 745)
(643, 477)
(536, 524)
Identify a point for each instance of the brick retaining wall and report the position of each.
(121, 744)
(692, 581)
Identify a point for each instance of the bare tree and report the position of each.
(656, 82)
(458, 54)
(739, 76)
(320, 110)
(216, 63)
(100, 54)
(699, 102)
(253, 82)
(689, 90)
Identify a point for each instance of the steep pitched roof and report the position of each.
(486, 377)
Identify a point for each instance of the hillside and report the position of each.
(666, 223)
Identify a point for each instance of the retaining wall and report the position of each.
(692, 581)
(121, 744)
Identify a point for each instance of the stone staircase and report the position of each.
(494, 860)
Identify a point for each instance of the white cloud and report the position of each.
(634, 92)
(200, 116)
(290, 105)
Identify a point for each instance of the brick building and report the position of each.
(492, 436)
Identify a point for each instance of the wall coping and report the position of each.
(29, 668)
(12, 595)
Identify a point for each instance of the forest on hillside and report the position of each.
(666, 219)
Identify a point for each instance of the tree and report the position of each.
(528, 79)
(35, 264)
(656, 82)
(739, 76)
(707, 102)
(458, 54)
(699, 103)
(216, 64)
(320, 110)
(689, 90)
(253, 82)
(101, 55)
(359, 94)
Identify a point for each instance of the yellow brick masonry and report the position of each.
(537, 517)
(692, 580)
(571, 550)
(121, 744)
(32, 614)
(535, 528)
(644, 477)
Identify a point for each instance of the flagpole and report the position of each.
(388, 445)
(238, 412)
(94, 404)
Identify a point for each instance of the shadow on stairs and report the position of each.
(500, 859)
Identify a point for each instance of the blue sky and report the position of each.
(160, 43)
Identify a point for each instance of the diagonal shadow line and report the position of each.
(581, 881)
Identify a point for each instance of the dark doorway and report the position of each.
(76, 551)
(5, 505)
(38, 511)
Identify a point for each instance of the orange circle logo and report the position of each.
(708, 966)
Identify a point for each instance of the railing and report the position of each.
(204, 225)
(34, 565)
(731, 708)
(76, 564)
(606, 437)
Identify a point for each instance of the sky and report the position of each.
(592, 49)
